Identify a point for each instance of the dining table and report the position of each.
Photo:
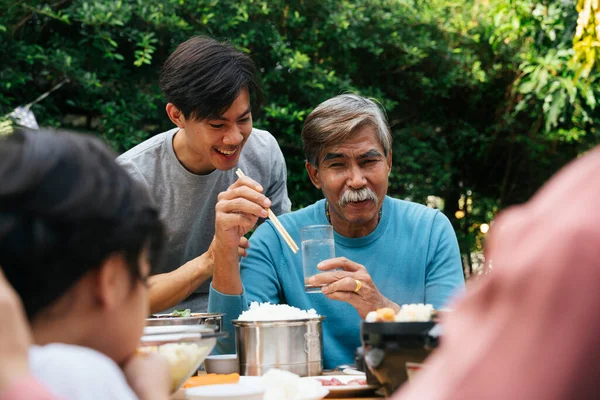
(361, 396)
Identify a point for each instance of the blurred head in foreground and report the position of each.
(530, 330)
(77, 236)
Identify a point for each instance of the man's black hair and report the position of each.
(65, 206)
(203, 77)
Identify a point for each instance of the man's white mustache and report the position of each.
(352, 196)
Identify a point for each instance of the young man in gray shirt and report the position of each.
(208, 87)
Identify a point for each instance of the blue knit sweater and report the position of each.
(412, 256)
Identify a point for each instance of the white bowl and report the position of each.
(248, 388)
(222, 364)
(184, 347)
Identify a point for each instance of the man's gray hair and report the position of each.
(332, 121)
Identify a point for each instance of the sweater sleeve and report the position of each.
(27, 388)
(444, 275)
(259, 279)
(232, 306)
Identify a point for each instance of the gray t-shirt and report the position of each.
(187, 201)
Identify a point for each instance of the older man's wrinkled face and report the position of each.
(354, 178)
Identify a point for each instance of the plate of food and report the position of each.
(222, 387)
(274, 385)
(343, 385)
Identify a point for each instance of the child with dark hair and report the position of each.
(77, 238)
(209, 87)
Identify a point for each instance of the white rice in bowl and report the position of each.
(275, 312)
(285, 385)
(408, 313)
(183, 359)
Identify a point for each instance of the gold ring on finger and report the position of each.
(358, 285)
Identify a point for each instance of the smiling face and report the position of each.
(213, 143)
(354, 178)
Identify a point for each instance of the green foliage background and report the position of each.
(481, 94)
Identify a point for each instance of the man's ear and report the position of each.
(313, 174)
(389, 162)
(176, 115)
(111, 281)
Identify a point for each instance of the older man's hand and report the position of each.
(352, 284)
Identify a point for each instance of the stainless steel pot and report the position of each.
(209, 319)
(293, 345)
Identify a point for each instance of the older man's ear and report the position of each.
(313, 174)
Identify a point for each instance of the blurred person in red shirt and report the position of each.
(15, 338)
(530, 330)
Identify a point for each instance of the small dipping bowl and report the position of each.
(222, 364)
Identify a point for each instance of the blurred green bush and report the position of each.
(481, 95)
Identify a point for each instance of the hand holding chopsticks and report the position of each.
(284, 234)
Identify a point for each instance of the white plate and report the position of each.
(248, 388)
(346, 390)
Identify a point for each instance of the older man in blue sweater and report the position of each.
(392, 252)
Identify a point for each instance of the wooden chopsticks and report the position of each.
(284, 234)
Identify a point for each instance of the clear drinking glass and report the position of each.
(317, 245)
